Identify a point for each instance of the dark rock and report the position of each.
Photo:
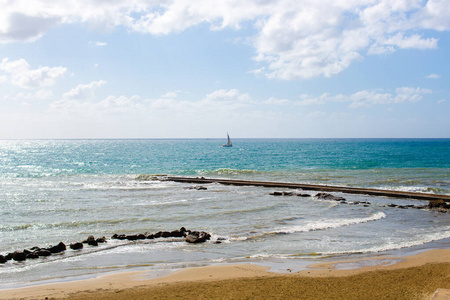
(43, 252)
(9, 256)
(19, 256)
(90, 238)
(438, 204)
(58, 248)
(196, 237)
(92, 243)
(177, 233)
(119, 236)
(303, 195)
(276, 194)
(76, 246)
(101, 240)
(35, 248)
(392, 205)
(3, 259)
(326, 196)
(163, 234)
(150, 236)
(198, 188)
(32, 255)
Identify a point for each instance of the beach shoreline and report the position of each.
(411, 277)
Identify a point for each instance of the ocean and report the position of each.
(65, 190)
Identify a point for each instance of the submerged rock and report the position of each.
(3, 259)
(198, 188)
(326, 196)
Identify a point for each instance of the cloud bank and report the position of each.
(292, 40)
(19, 73)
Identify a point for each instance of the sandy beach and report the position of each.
(411, 277)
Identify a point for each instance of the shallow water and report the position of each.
(59, 190)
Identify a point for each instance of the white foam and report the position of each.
(329, 224)
(388, 245)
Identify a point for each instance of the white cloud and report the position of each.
(293, 39)
(441, 101)
(38, 95)
(365, 98)
(232, 95)
(84, 91)
(99, 44)
(21, 74)
(434, 76)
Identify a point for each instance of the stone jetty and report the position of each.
(189, 236)
(300, 186)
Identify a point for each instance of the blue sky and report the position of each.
(199, 69)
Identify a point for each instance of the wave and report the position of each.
(321, 225)
(420, 239)
(329, 224)
(74, 224)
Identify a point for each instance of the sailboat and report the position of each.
(229, 142)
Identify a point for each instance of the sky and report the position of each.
(199, 69)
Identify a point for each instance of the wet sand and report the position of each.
(411, 277)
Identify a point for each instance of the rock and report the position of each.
(90, 238)
(438, 204)
(9, 256)
(43, 252)
(3, 259)
(276, 194)
(119, 236)
(32, 255)
(19, 256)
(93, 243)
(58, 248)
(303, 195)
(178, 233)
(196, 237)
(326, 196)
(101, 240)
(198, 188)
(163, 234)
(76, 246)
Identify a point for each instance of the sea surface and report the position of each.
(66, 190)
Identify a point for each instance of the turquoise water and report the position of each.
(65, 190)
